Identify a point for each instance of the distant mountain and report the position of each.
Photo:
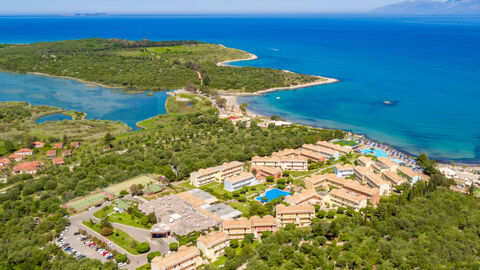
(432, 7)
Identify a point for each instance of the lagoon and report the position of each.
(97, 102)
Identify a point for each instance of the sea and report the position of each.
(409, 81)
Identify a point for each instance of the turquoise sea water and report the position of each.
(427, 67)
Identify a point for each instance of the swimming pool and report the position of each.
(273, 194)
(375, 152)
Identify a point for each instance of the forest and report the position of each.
(146, 65)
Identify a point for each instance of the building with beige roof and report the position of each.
(393, 178)
(365, 161)
(347, 198)
(309, 196)
(186, 258)
(300, 215)
(301, 153)
(323, 181)
(389, 163)
(236, 229)
(259, 225)
(237, 182)
(213, 244)
(342, 150)
(285, 163)
(343, 170)
(218, 173)
(261, 172)
(410, 174)
(327, 152)
(365, 176)
(373, 194)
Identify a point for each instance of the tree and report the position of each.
(152, 255)
(123, 192)
(290, 227)
(105, 231)
(234, 243)
(249, 238)
(321, 214)
(144, 220)
(134, 189)
(143, 247)
(270, 178)
(152, 219)
(108, 138)
(243, 107)
(120, 258)
(173, 246)
(340, 210)
(331, 214)
(230, 252)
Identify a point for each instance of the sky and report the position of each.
(188, 6)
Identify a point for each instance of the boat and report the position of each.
(277, 97)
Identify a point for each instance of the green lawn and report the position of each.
(243, 207)
(126, 219)
(103, 212)
(119, 237)
(145, 267)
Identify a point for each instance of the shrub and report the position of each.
(321, 214)
(121, 258)
(331, 214)
(270, 178)
(341, 210)
(173, 246)
(152, 255)
(242, 198)
(105, 231)
(123, 193)
(143, 247)
(234, 243)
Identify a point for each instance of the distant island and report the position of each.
(150, 65)
(450, 7)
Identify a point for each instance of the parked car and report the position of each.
(76, 233)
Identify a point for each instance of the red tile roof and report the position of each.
(27, 166)
(58, 161)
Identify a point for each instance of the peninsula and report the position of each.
(150, 65)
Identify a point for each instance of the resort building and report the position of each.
(51, 153)
(27, 167)
(233, 183)
(327, 152)
(259, 225)
(388, 163)
(24, 152)
(393, 178)
(284, 163)
(379, 167)
(372, 179)
(261, 172)
(410, 174)
(236, 229)
(300, 153)
(212, 174)
(324, 181)
(343, 171)
(372, 194)
(309, 196)
(213, 244)
(342, 150)
(38, 144)
(345, 198)
(186, 258)
(365, 161)
(300, 215)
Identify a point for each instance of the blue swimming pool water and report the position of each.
(375, 152)
(273, 194)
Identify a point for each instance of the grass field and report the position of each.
(145, 267)
(87, 201)
(118, 236)
(126, 219)
(125, 185)
(103, 212)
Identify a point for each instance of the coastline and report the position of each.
(88, 83)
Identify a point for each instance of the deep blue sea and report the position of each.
(428, 67)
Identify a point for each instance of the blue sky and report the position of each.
(188, 6)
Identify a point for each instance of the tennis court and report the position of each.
(125, 185)
(88, 201)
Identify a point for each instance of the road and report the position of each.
(140, 235)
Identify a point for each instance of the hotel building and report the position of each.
(236, 229)
(186, 258)
(343, 170)
(213, 244)
(212, 174)
(300, 215)
(346, 198)
(233, 183)
(259, 225)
